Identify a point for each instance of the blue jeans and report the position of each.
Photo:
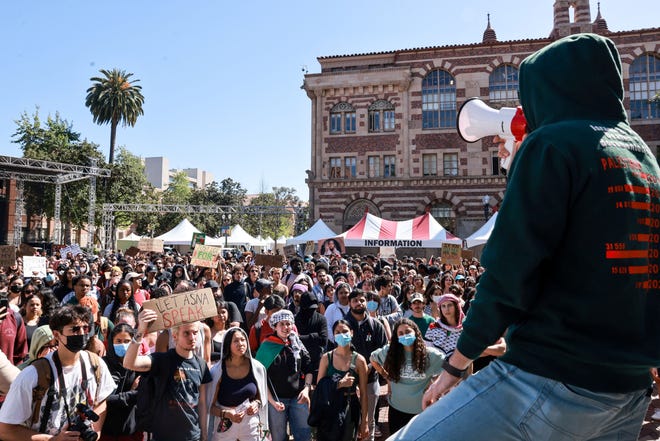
(296, 414)
(503, 402)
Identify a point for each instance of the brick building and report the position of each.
(383, 124)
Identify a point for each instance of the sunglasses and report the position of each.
(29, 291)
(84, 328)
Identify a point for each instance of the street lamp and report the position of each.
(225, 227)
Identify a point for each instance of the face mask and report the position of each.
(407, 339)
(343, 339)
(15, 289)
(76, 343)
(120, 349)
(372, 306)
(436, 299)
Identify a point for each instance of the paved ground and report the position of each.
(650, 429)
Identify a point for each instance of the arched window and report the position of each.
(438, 100)
(381, 116)
(355, 211)
(342, 118)
(443, 212)
(503, 86)
(645, 87)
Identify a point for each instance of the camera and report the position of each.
(82, 422)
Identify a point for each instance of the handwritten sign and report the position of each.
(205, 256)
(451, 253)
(34, 266)
(7, 255)
(310, 247)
(132, 252)
(272, 260)
(26, 250)
(151, 245)
(387, 252)
(290, 250)
(178, 309)
(467, 254)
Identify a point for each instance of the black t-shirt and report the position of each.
(177, 415)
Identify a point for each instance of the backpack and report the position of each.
(45, 383)
(151, 390)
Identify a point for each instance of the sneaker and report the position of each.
(656, 415)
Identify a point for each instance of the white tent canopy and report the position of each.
(179, 235)
(481, 236)
(239, 236)
(317, 232)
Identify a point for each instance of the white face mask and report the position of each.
(436, 299)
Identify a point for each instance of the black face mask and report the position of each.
(15, 289)
(76, 343)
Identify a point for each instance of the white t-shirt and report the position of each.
(17, 408)
(251, 306)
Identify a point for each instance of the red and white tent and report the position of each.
(421, 232)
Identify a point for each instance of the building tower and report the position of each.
(565, 25)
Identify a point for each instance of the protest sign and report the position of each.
(178, 309)
(467, 254)
(34, 266)
(272, 260)
(205, 256)
(290, 251)
(451, 253)
(333, 246)
(387, 252)
(7, 255)
(132, 252)
(26, 250)
(310, 247)
(151, 245)
(198, 239)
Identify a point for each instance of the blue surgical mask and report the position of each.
(343, 339)
(120, 349)
(407, 339)
(372, 306)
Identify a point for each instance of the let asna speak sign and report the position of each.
(178, 309)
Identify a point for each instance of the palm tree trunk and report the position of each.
(113, 136)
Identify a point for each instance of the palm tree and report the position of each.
(112, 99)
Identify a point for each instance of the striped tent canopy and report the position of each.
(421, 232)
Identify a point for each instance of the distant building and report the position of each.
(384, 124)
(159, 174)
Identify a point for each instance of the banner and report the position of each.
(151, 245)
(178, 309)
(451, 254)
(205, 256)
(34, 266)
(272, 260)
(7, 255)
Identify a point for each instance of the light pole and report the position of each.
(225, 227)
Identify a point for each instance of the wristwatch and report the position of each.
(454, 372)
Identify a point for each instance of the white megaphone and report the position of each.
(476, 120)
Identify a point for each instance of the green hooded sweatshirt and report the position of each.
(572, 268)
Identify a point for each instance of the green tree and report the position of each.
(55, 140)
(228, 192)
(273, 225)
(114, 99)
(178, 192)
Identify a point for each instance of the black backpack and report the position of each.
(151, 389)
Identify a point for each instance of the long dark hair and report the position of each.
(131, 303)
(226, 343)
(396, 356)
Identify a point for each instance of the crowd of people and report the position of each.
(300, 350)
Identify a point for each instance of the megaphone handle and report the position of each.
(508, 145)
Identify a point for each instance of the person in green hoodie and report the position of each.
(576, 240)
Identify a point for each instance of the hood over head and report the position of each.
(40, 338)
(576, 77)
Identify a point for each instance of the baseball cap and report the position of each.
(308, 300)
(211, 284)
(131, 275)
(459, 277)
(417, 297)
(151, 269)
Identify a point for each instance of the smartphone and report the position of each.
(4, 302)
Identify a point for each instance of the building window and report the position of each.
(645, 87)
(495, 164)
(342, 118)
(335, 168)
(443, 213)
(438, 100)
(381, 116)
(350, 167)
(430, 164)
(450, 164)
(389, 166)
(374, 166)
(503, 86)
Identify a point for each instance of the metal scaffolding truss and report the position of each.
(50, 172)
(110, 209)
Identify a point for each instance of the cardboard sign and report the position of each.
(34, 266)
(132, 252)
(26, 250)
(387, 252)
(206, 256)
(272, 260)
(290, 250)
(178, 309)
(7, 255)
(451, 254)
(333, 246)
(310, 247)
(467, 254)
(198, 239)
(151, 245)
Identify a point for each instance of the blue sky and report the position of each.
(222, 79)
